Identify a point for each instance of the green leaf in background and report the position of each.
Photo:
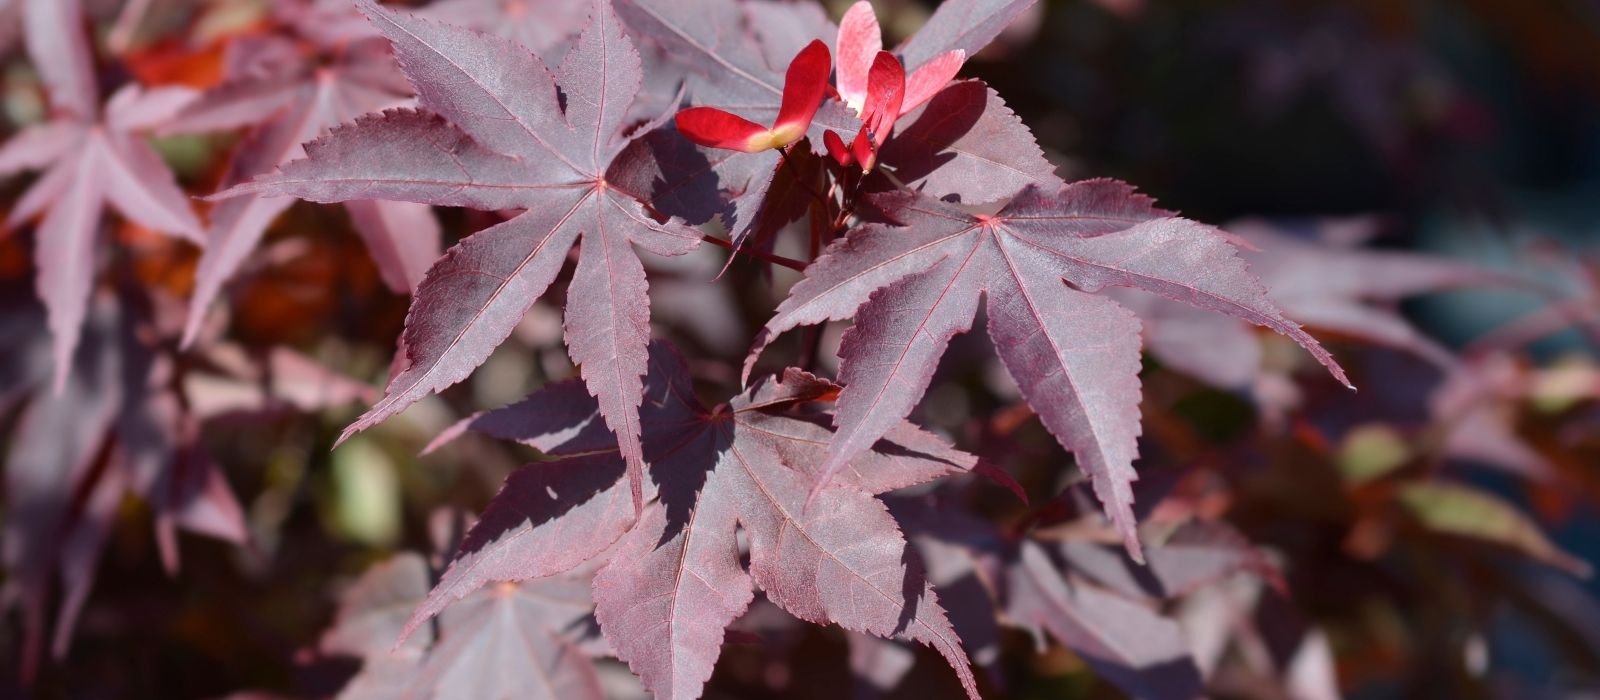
(1461, 510)
(1370, 452)
(365, 506)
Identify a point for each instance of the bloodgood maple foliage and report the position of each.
(1038, 261)
(507, 640)
(676, 503)
(141, 415)
(675, 580)
(502, 139)
(288, 101)
(92, 159)
(508, 143)
(545, 28)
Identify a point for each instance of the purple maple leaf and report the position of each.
(125, 424)
(287, 100)
(1196, 555)
(674, 580)
(508, 144)
(509, 640)
(1126, 641)
(727, 63)
(1040, 260)
(544, 27)
(963, 144)
(1326, 284)
(118, 428)
(961, 25)
(91, 160)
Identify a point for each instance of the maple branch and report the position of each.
(847, 204)
(790, 263)
(847, 207)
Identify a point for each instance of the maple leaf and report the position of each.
(1335, 286)
(44, 471)
(729, 57)
(961, 140)
(674, 582)
(1220, 619)
(554, 163)
(1090, 597)
(90, 161)
(1471, 405)
(1572, 283)
(1040, 260)
(965, 556)
(125, 424)
(1197, 554)
(964, 145)
(509, 640)
(1458, 510)
(1123, 640)
(544, 27)
(287, 100)
(1325, 282)
(372, 610)
(62, 55)
(960, 25)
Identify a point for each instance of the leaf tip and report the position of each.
(191, 330)
(416, 620)
(348, 432)
(1135, 550)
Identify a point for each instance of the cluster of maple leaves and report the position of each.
(615, 126)
(496, 129)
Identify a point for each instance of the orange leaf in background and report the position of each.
(1553, 504)
(14, 263)
(301, 283)
(172, 62)
(159, 261)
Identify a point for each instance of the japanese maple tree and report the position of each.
(872, 203)
(497, 135)
(500, 132)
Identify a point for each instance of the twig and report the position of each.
(769, 257)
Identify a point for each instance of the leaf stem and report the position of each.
(790, 263)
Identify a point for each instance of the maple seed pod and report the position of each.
(860, 41)
(804, 86)
(836, 148)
